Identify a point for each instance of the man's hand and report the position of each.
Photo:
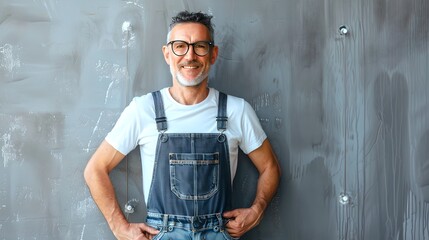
(135, 231)
(242, 220)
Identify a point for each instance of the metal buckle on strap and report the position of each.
(222, 123)
(165, 223)
(160, 119)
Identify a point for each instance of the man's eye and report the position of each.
(201, 45)
(180, 45)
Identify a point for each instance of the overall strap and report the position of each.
(222, 117)
(161, 120)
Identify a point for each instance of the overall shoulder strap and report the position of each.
(161, 120)
(222, 117)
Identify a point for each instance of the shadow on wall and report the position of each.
(421, 166)
(386, 203)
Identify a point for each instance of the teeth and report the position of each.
(189, 67)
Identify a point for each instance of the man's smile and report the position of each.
(190, 67)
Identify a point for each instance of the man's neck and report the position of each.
(189, 95)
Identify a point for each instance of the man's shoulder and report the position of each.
(143, 103)
(148, 97)
(231, 97)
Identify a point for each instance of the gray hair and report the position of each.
(192, 17)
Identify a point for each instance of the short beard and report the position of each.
(189, 83)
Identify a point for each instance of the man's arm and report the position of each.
(96, 174)
(242, 220)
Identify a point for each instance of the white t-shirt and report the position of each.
(137, 126)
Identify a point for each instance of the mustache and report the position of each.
(191, 63)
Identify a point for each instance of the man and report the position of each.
(188, 136)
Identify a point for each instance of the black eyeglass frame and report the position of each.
(211, 44)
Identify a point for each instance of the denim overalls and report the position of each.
(191, 184)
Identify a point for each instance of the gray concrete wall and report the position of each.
(348, 115)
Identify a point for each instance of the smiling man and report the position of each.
(189, 136)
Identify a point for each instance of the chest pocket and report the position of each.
(194, 176)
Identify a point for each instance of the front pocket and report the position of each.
(194, 176)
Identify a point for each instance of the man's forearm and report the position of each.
(103, 193)
(97, 178)
(267, 187)
(269, 175)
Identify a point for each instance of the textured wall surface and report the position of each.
(347, 114)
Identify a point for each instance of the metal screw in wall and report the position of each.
(343, 30)
(345, 199)
(130, 206)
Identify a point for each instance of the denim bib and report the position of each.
(191, 182)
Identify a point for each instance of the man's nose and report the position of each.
(190, 54)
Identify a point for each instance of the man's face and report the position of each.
(189, 69)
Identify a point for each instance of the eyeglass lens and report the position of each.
(180, 48)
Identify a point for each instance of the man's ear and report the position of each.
(214, 54)
(166, 54)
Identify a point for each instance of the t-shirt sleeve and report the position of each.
(124, 135)
(253, 134)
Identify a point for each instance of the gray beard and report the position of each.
(191, 83)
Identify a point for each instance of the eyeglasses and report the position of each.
(181, 48)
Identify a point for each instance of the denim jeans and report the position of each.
(188, 228)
